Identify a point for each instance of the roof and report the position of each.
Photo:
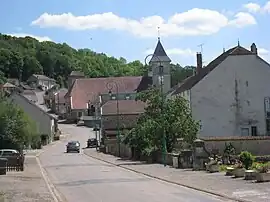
(191, 81)
(87, 89)
(125, 107)
(30, 95)
(42, 77)
(59, 96)
(76, 73)
(159, 54)
(33, 104)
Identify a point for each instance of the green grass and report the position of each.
(222, 168)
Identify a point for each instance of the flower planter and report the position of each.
(212, 168)
(263, 177)
(229, 171)
(250, 175)
(239, 172)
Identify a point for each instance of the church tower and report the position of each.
(160, 58)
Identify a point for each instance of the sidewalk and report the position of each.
(215, 183)
(26, 186)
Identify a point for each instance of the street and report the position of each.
(80, 178)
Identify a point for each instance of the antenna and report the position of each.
(158, 33)
(201, 46)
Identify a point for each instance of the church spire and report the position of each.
(159, 54)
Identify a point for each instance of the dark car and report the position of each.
(92, 142)
(73, 146)
(15, 159)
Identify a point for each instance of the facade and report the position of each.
(41, 81)
(46, 124)
(230, 96)
(58, 102)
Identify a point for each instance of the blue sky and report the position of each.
(129, 28)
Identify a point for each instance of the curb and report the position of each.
(171, 182)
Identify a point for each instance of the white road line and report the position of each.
(53, 191)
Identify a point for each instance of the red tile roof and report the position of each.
(87, 89)
(125, 107)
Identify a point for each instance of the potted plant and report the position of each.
(263, 175)
(247, 160)
(213, 165)
(239, 170)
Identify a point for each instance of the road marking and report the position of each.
(53, 191)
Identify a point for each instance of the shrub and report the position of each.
(262, 167)
(247, 159)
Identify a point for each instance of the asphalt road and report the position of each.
(80, 178)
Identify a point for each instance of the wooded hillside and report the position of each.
(27, 56)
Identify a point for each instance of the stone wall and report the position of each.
(258, 146)
(112, 148)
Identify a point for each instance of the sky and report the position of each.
(130, 28)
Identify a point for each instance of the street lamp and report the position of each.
(110, 86)
(161, 79)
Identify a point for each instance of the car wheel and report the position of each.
(22, 168)
(67, 151)
(78, 151)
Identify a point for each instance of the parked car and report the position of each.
(15, 159)
(73, 146)
(92, 142)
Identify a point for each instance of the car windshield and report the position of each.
(73, 143)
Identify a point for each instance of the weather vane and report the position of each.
(158, 33)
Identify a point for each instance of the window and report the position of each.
(79, 114)
(254, 131)
(7, 153)
(244, 131)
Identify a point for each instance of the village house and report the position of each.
(46, 123)
(42, 81)
(58, 102)
(231, 95)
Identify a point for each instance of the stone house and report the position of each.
(58, 102)
(42, 81)
(46, 123)
(231, 95)
(84, 92)
(114, 122)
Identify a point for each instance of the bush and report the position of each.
(246, 159)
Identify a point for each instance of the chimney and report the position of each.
(253, 49)
(199, 63)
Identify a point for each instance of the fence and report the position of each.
(14, 163)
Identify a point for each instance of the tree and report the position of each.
(22, 57)
(172, 117)
(16, 128)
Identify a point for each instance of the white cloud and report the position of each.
(175, 51)
(39, 38)
(252, 7)
(190, 23)
(243, 19)
(256, 8)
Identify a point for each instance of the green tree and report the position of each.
(16, 128)
(172, 117)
